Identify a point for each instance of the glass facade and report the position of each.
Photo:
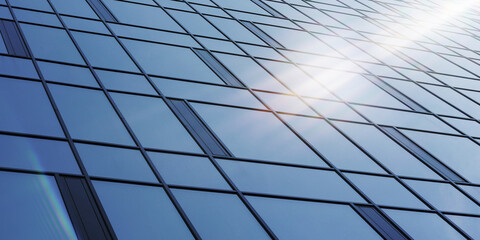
(239, 119)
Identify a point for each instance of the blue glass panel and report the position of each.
(154, 124)
(290, 181)
(219, 216)
(37, 4)
(294, 220)
(89, 116)
(141, 212)
(3, 48)
(235, 30)
(171, 61)
(207, 93)
(37, 154)
(385, 150)
(17, 67)
(85, 25)
(385, 191)
(37, 17)
(112, 162)
(142, 15)
(250, 73)
(51, 43)
(461, 154)
(195, 24)
(24, 107)
(444, 196)
(188, 170)
(67, 74)
(468, 224)
(32, 208)
(125, 82)
(420, 225)
(256, 135)
(105, 52)
(335, 147)
(74, 7)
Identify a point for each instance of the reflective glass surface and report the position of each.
(34, 201)
(137, 211)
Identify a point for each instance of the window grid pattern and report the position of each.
(449, 44)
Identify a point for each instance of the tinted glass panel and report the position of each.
(436, 194)
(385, 150)
(461, 154)
(24, 107)
(335, 147)
(171, 61)
(141, 212)
(468, 224)
(385, 191)
(421, 225)
(228, 218)
(104, 52)
(88, 115)
(67, 74)
(257, 135)
(310, 220)
(37, 154)
(154, 124)
(115, 163)
(290, 181)
(32, 201)
(188, 170)
(51, 43)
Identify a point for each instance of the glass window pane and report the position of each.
(207, 93)
(385, 150)
(38, 5)
(67, 74)
(424, 98)
(74, 7)
(289, 181)
(154, 124)
(24, 107)
(195, 24)
(256, 135)
(468, 224)
(444, 196)
(219, 216)
(461, 154)
(89, 116)
(142, 15)
(103, 51)
(285, 103)
(235, 30)
(404, 119)
(293, 220)
(188, 170)
(51, 43)
(334, 110)
(125, 82)
(420, 225)
(17, 67)
(296, 79)
(32, 208)
(250, 73)
(385, 191)
(37, 154)
(170, 61)
(329, 142)
(113, 162)
(141, 212)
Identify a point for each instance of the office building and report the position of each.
(239, 119)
